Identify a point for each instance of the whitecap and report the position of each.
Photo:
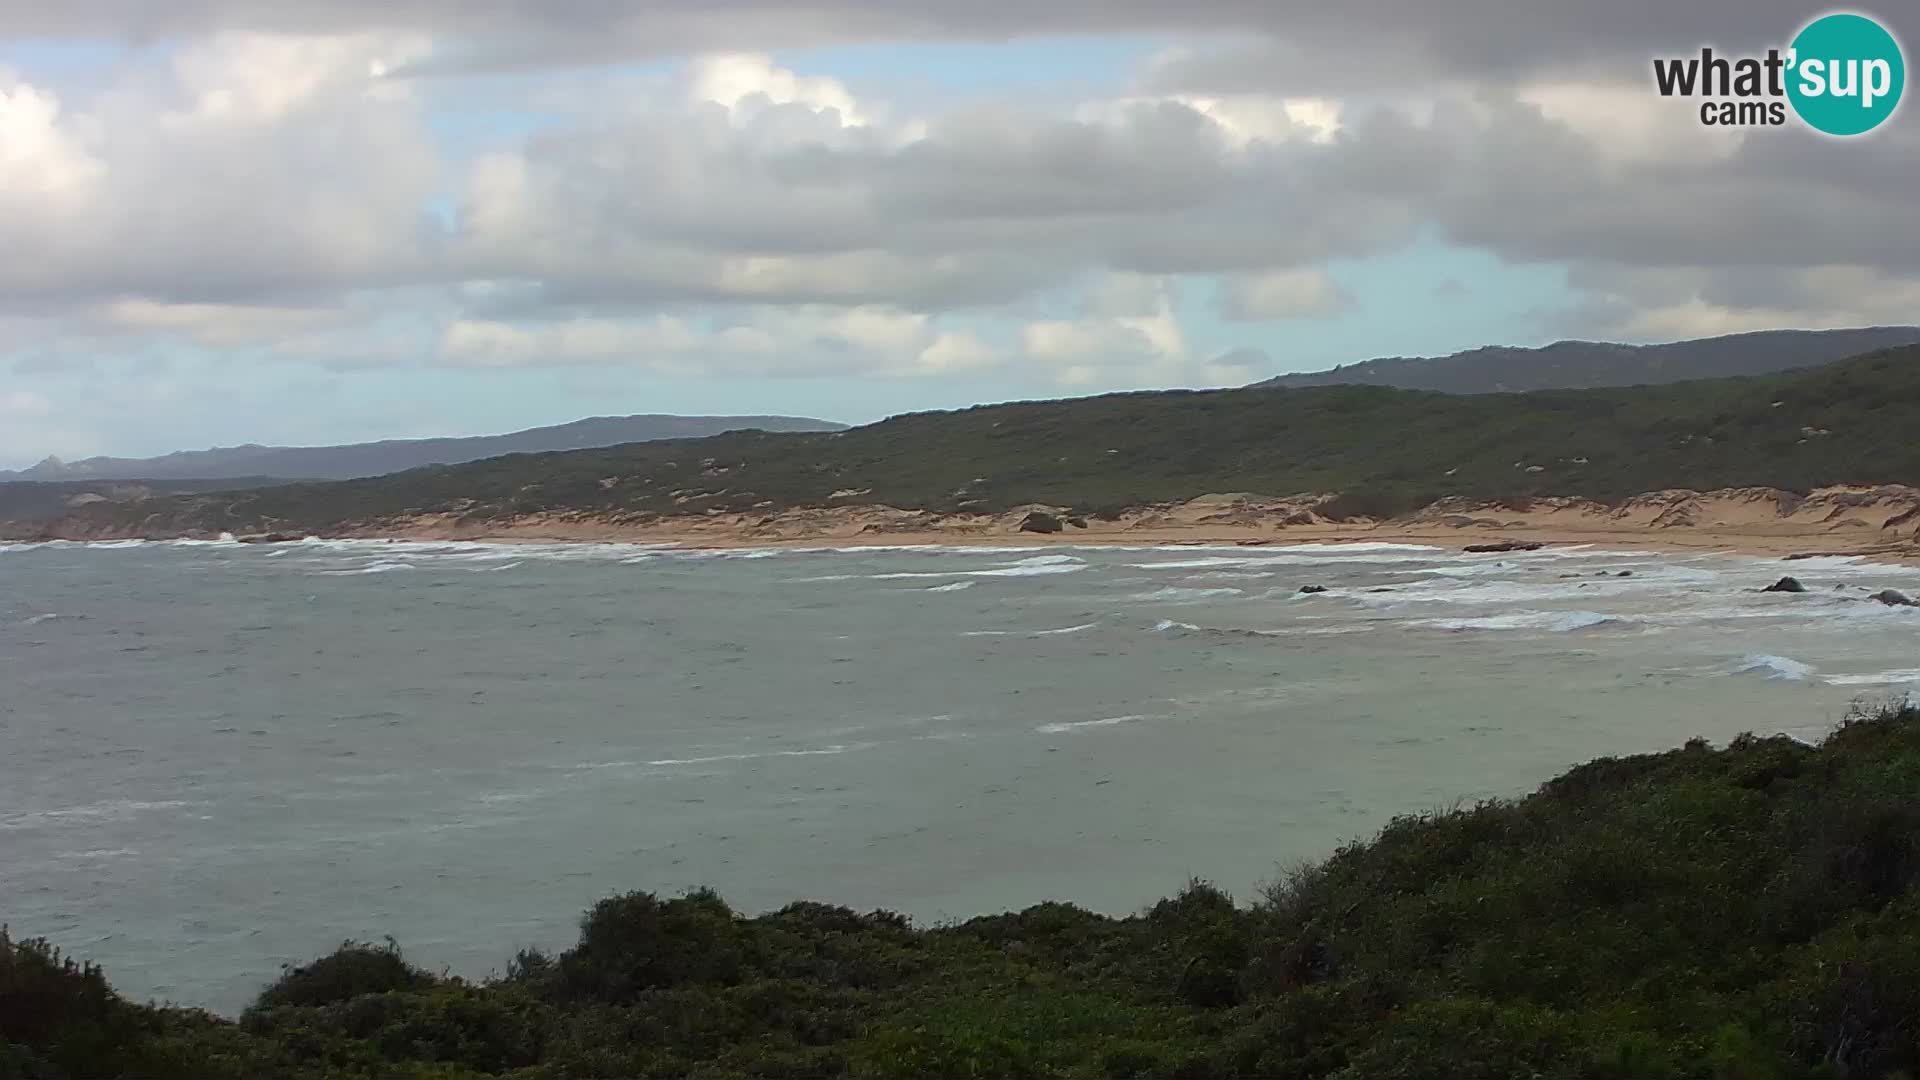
(1176, 594)
(375, 568)
(951, 586)
(1776, 667)
(1874, 678)
(1078, 725)
(107, 810)
(1555, 621)
(1029, 633)
(1015, 570)
(825, 751)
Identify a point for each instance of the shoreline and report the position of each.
(1882, 524)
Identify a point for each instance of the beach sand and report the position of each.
(1881, 522)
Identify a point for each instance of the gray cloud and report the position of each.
(1324, 41)
(1509, 125)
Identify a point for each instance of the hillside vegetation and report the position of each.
(1748, 912)
(1850, 422)
(1566, 365)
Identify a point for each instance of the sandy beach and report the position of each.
(1880, 522)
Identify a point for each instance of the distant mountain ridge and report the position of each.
(1582, 365)
(355, 460)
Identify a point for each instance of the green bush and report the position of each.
(355, 968)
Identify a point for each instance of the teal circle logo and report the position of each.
(1845, 74)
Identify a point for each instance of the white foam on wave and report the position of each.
(824, 751)
(89, 813)
(1288, 557)
(1356, 546)
(1896, 677)
(38, 619)
(1167, 625)
(1176, 594)
(1553, 621)
(374, 568)
(1776, 667)
(1038, 566)
(951, 586)
(226, 540)
(1029, 633)
(1081, 725)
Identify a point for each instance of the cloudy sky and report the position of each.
(309, 221)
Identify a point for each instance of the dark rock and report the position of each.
(1077, 522)
(1894, 598)
(1298, 517)
(270, 538)
(1506, 545)
(1252, 543)
(1313, 588)
(1786, 584)
(1624, 573)
(1040, 522)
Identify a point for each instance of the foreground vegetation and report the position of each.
(1748, 912)
(1391, 450)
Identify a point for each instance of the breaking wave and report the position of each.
(1079, 725)
(1554, 621)
(1029, 633)
(1776, 667)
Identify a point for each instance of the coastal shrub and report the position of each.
(637, 942)
(1369, 503)
(355, 968)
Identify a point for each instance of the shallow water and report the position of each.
(215, 758)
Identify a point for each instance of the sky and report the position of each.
(321, 221)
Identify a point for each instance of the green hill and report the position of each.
(1748, 913)
(1390, 450)
(1571, 364)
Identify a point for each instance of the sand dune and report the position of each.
(1880, 521)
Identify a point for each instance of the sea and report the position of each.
(218, 758)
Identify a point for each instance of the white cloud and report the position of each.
(214, 325)
(500, 344)
(41, 159)
(235, 166)
(959, 352)
(749, 82)
(1283, 294)
(17, 404)
(234, 188)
